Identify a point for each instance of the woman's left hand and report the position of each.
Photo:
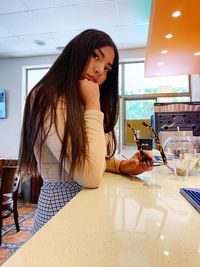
(134, 166)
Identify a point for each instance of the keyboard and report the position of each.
(193, 196)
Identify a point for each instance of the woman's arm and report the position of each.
(91, 173)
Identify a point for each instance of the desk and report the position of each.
(127, 222)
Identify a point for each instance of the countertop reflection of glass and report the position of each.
(187, 147)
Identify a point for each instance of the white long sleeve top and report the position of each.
(91, 173)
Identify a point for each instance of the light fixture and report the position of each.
(197, 53)
(39, 42)
(157, 73)
(166, 253)
(60, 48)
(160, 63)
(176, 13)
(169, 35)
(164, 51)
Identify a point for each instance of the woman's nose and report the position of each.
(99, 69)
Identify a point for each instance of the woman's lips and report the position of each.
(91, 78)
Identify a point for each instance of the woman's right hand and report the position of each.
(90, 94)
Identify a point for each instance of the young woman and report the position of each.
(68, 128)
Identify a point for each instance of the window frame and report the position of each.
(34, 68)
(124, 98)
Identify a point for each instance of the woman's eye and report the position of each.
(107, 69)
(95, 55)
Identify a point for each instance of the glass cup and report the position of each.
(186, 163)
(181, 167)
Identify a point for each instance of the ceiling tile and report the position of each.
(11, 44)
(38, 4)
(56, 22)
(132, 36)
(10, 6)
(63, 38)
(133, 11)
(4, 32)
(40, 21)
(96, 15)
(46, 38)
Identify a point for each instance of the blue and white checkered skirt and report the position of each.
(53, 197)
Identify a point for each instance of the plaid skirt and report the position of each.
(53, 197)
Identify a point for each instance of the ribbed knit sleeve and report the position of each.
(90, 173)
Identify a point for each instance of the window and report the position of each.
(139, 109)
(173, 99)
(138, 95)
(136, 83)
(34, 76)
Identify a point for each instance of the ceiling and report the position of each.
(56, 22)
(180, 58)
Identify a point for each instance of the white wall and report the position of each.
(11, 80)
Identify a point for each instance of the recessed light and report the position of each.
(157, 73)
(39, 42)
(160, 63)
(197, 54)
(176, 13)
(164, 52)
(169, 35)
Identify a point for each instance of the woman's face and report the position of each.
(99, 64)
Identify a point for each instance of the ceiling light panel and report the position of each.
(180, 58)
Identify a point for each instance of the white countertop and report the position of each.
(126, 222)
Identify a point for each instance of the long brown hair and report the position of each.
(62, 82)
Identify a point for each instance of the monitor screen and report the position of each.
(2, 104)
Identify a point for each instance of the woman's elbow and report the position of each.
(92, 180)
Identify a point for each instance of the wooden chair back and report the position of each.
(7, 162)
(8, 195)
(9, 180)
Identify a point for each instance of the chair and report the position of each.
(8, 195)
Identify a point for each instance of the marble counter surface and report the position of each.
(128, 222)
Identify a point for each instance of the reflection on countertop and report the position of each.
(128, 221)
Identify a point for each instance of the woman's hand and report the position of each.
(90, 94)
(134, 166)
